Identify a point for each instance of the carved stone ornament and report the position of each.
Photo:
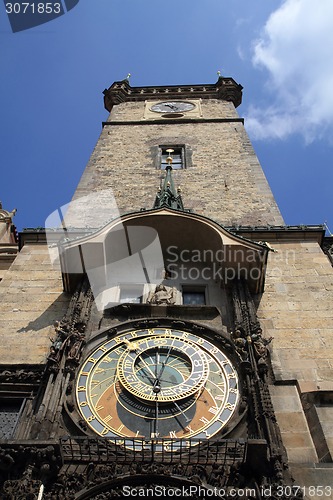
(99, 482)
(24, 470)
(253, 354)
(69, 338)
(24, 489)
(162, 295)
(14, 375)
(328, 248)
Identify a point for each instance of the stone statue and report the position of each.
(240, 342)
(162, 295)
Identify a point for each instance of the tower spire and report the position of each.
(167, 195)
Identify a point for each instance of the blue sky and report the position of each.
(53, 75)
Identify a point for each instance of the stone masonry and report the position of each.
(32, 299)
(224, 181)
(296, 309)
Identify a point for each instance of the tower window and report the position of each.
(178, 157)
(131, 294)
(10, 410)
(194, 296)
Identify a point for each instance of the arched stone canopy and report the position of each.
(138, 246)
(146, 484)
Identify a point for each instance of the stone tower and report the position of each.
(190, 327)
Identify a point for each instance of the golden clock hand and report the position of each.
(131, 346)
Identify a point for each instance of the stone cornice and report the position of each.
(270, 233)
(225, 89)
(172, 121)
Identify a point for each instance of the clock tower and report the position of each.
(190, 327)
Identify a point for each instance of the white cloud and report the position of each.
(296, 47)
(240, 53)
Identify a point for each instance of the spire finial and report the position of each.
(327, 228)
(128, 77)
(169, 158)
(167, 195)
(219, 73)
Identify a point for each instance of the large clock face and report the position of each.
(159, 383)
(172, 107)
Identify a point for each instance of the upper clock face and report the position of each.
(159, 383)
(172, 107)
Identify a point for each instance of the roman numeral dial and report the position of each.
(157, 383)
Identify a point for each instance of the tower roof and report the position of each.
(225, 88)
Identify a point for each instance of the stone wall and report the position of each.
(224, 180)
(296, 309)
(31, 300)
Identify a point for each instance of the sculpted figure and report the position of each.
(162, 295)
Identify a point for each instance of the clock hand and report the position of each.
(156, 417)
(171, 106)
(149, 378)
(157, 381)
(144, 374)
(181, 411)
(158, 378)
(156, 362)
(146, 366)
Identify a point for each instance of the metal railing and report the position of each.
(167, 451)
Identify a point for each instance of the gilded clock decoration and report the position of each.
(168, 368)
(159, 383)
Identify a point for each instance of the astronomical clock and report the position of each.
(157, 383)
